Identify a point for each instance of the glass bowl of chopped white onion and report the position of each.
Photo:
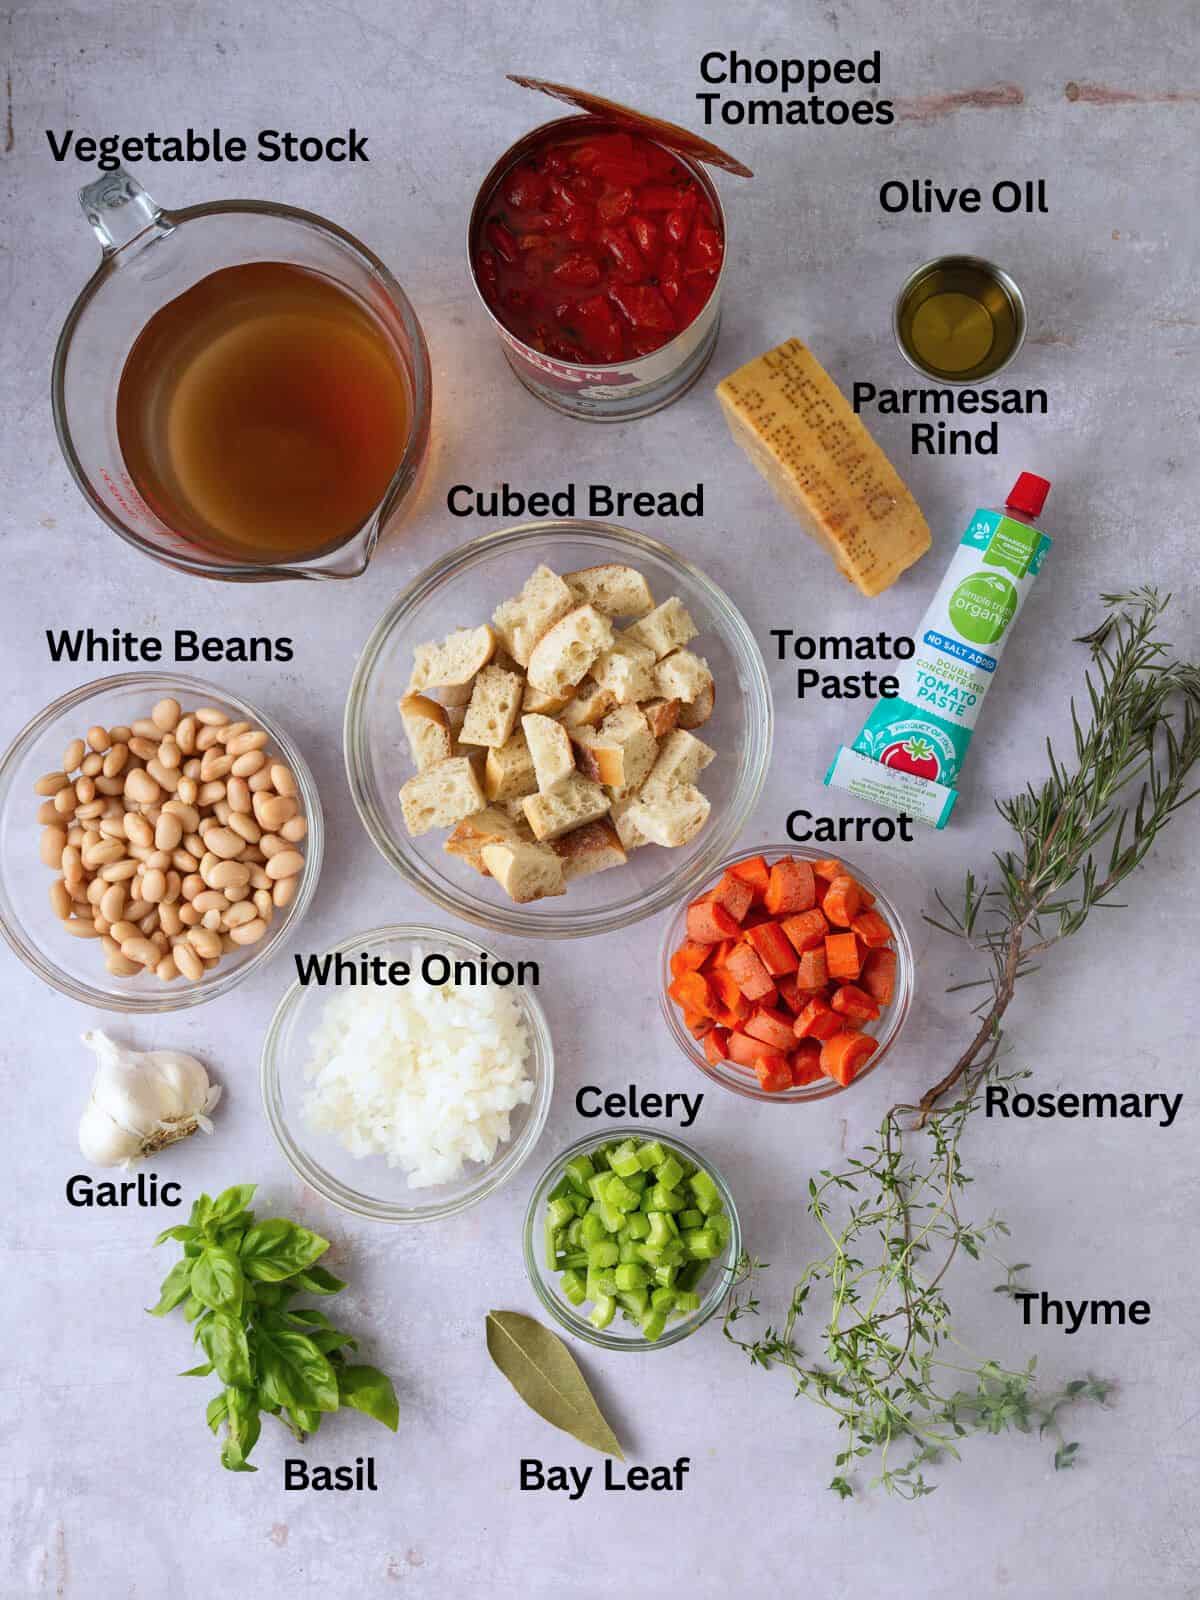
(410, 1076)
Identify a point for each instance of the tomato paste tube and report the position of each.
(911, 749)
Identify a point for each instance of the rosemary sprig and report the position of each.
(893, 1372)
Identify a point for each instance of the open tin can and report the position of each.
(598, 385)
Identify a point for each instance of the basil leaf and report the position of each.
(217, 1407)
(309, 1315)
(293, 1372)
(278, 1249)
(303, 1421)
(230, 1238)
(369, 1390)
(200, 1211)
(244, 1429)
(180, 1231)
(228, 1204)
(226, 1346)
(317, 1281)
(174, 1289)
(328, 1340)
(217, 1280)
(198, 1372)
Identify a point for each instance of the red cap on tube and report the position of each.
(1028, 494)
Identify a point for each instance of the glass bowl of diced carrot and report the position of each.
(789, 978)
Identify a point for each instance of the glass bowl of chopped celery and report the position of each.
(631, 1240)
(407, 1075)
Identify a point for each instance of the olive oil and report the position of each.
(263, 412)
(959, 319)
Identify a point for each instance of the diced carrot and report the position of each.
(729, 997)
(751, 976)
(841, 901)
(818, 1020)
(842, 955)
(793, 994)
(718, 953)
(715, 1044)
(791, 887)
(697, 1025)
(806, 931)
(736, 896)
(844, 1054)
(742, 1049)
(755, 918)
(854, 1003)
(693, 993)
(805, 1062)
(773, 1072)
(774, 948)
(827, 869)
(879, 975)
(709, 923)
(871, 929)
(755, 872)
(690, 957)
(814, 970)
(772, 1027)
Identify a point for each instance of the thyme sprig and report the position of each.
(892, 1371)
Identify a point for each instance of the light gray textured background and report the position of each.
(109, 1481)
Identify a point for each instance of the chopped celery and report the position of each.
(670, 1173)
(603, 1311)
(636, 1226)
(579, 1170)
(573, 1286)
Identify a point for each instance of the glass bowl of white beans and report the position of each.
(158, 838)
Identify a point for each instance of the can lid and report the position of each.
(668, 133)
(1028, 494)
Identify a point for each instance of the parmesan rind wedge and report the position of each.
(799, 430)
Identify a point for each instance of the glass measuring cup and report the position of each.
(149, 257)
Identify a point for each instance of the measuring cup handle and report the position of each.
(119, 210)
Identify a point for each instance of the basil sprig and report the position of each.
(235, 1281)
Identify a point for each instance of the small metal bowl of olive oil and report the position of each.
(959, 319)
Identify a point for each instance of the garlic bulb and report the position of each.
(141, 1101)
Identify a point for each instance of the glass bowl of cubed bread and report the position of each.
(558, 729)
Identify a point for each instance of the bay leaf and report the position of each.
(544, 1373)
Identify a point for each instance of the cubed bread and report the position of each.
(701, 708)
(454, 662)
(594, 848)
(628, 832)
(441, 796)
(489, 826)
(427, 729)
(587, 707)
(681, 759)
(662, 715)
(508, 772)
(525, 871)
(545, 705)
(495, 706)
(553, 758)
(576, 802)
(521, 621)
(614, 589)
(455, 717)
(672, 818)
(565, 654)
(666, 628)
(682, 676)
(626, 671)
(620, 752)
